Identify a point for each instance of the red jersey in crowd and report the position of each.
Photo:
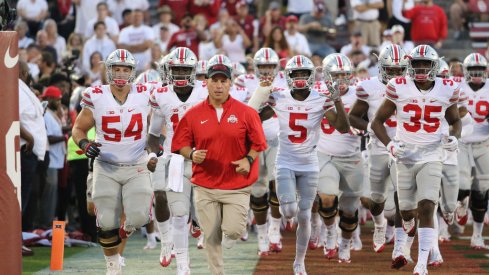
(428, 23)
(247, 25)
(185, 38)
(209, 11)
(179, 9)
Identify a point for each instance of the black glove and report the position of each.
(90, 148)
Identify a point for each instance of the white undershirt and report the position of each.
(219, 113)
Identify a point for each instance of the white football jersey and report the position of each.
(121, 129)
(478, 106)
(334, 143)
(299, 123)
(372, 91)
(165, 101)
(239, 93)
(451, 158)
(419, 116)
(279, 84)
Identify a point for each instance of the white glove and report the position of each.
(259, 97)
(396, 148)
(450, 143)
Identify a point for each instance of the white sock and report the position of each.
(478, 226)
(151, 237)
(113, 260)
(345, 240)
(315, 219)
(180, 239)
(356, 233)
(262, 229)
(275, 224)
(379, 219)
(331, 227)
(164, 228)
(409, 242)
(400, 237)
(425, 241)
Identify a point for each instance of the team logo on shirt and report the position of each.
(232, 119)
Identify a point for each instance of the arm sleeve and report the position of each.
(361, 93)
(462, 99)
(152, 100)
(259, 97)
(409, 14)
(254, 132)
(86, 101)
(455, 97)
(156, 123)
(390, 92)
(183, 136)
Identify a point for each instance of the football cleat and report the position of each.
(245, 236)
(200, 242)
(195, 230)
(344, 252)
(409, 226)
(389, 235)
(123, 233)
(331, 245)
(275, 239)
(435, 259)
(314, 239)
(477, 243)
(398, 258)
(379, 237)
(461, 213)
(183, 269)
(299, 269)
(165, 254)
(290, 225)
(420, 269)
(263, 245)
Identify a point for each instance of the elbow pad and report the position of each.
(260, 95)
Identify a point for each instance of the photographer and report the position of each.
(319, 29)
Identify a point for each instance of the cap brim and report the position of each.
(212, 73)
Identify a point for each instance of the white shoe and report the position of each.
(245, 236)
(150, 245)
(435, 259)
(331, 244)
(200, 241)
(407, 253)
(122, 261)
(263, 245)
(389, 234)
(275, 239)
(477, 243)
(398, 258)
(356, 243)
(314, 239)
(183, 269)
(420, 269)
(227, 242)
(344, 252)
(165, 254)
(299, 269)
(379, 237)
(113, 268)
(461, 213)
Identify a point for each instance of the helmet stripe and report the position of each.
(340, 62)
(298, 61)
(219, 59)
(267, 55)
(477, 58)
(122, 54)
(422, 50)
(181, 55)
(396, 54)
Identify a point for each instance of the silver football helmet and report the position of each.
(120, 57)
(163, 68)
(299, 63)
(475, 68)
(266, 56)
(219, 60)
(392, 63)
(182, 57)
(238, 69)
(338, 72)
(201, 67)
(443, 69)
(423, 52)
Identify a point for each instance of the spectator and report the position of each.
(142, 5)
(299, 7)
(429, 23)
(356, 43)
(62, 82)
(47, 65)
(247, 22)
(233, 41)
(188, 36)
(126, 19)
(209, 8)
(156, 54)
(318, 27)
(458, 12)
(163, 38)
(94, 72)
(276, 41)
(220, 25)
(100, 42)
(397, 18)
(33, 12)
(179, 8)
(207, 48)
(366, 15)
(398, 38)
(33, 58)
(42, 42)
(138, 39)
(386, 38)
(86, 10)
(74, 46)
(356, 57)
(112, 28)
(165, 15)
(371, 64)
(22, 29)
(296, 40)
(54, 39)
(57, 152)
(456, 67)
(273, 17)
(231, 6)
(262, 7)
(116, 9)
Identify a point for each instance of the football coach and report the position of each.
(223, 138)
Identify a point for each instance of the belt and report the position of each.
(367, 21)
(119, 164)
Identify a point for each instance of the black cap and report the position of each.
(219, 69)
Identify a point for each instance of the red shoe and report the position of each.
(330, 253)
(276, 247)
(195, 231)
(290, 225)
(123, 233)
(399, 262)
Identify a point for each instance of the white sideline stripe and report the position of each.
(468, 238)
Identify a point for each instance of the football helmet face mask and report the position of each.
(338, 72)
(443, 69)
(475, 68)
(148, 76)
(116, 66)
(392, 63)
(265, 63)
(181, 67)
(201, 67)
(297, 81)
(238, 69)
(423, 63)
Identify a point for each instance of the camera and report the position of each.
(7, 15)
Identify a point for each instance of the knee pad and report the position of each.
(289, 210)
(348, 224)
(478, 205)
(328, 212)
(108, 238)
(259, 204)
(178, 209)
(304, 217)
(272, 194)
(180, 222)
(462, 194)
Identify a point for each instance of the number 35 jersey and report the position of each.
(299, 123)
(165, 101)
(478, 106)
(121, 129)
(419, 116)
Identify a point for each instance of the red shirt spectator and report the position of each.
(179, 8)
(188, 36)
(244, 19)
(209, 10)
(231, 6)
(273, 17)
(428, 23)
(239, 129)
